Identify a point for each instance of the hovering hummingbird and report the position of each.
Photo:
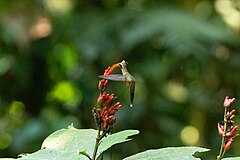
(126, 77)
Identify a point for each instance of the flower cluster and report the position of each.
(104, 116)
(226, 128)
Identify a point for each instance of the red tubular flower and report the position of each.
(105, 117)
(232, 132)
(232, 114)
(228, 101)
(232, 111)
(220, 129)
(110, 69)
(111, 120)
(109, 100)
(113, 109)
(108, 120)
(228, 143)
(102, 85)
(105, 100)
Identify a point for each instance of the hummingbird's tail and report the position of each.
(132, 90)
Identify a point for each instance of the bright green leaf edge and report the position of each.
(173, 153)
(232, 158)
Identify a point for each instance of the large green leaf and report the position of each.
(232, 158)
(72, 140)
(116, 138)
(173, 153)
(46, 154)
(66, 144)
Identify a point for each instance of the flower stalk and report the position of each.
(104, 116)
(226, 128)
(96, 144)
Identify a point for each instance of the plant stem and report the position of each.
(222, 150)
(96, 144)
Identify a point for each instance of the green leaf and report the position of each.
(46, 154)
(115, 138)
(232, 158)
(80, 140)
(75, 144)
(72, 140)
(173, 153)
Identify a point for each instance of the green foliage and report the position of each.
(173, 153)
(115, 138)
(183, 35)
(75, 144)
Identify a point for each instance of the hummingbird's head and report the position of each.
(123, 64)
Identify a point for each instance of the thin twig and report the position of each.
(222, 150)
(96, 143)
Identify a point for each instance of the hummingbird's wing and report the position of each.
(113, 77)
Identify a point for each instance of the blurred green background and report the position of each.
(185, 56)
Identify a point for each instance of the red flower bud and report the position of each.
(102, 85)
(112, 120)
(227, 102)
(113, 109)
(105, 100)
(228, 143)
(105, 118)
(232, 114)
(232, 111)
(232, 132)
(220, 129)
(108, 121)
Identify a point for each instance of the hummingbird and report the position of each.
(126, 77)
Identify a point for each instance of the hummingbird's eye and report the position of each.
(120, 65)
